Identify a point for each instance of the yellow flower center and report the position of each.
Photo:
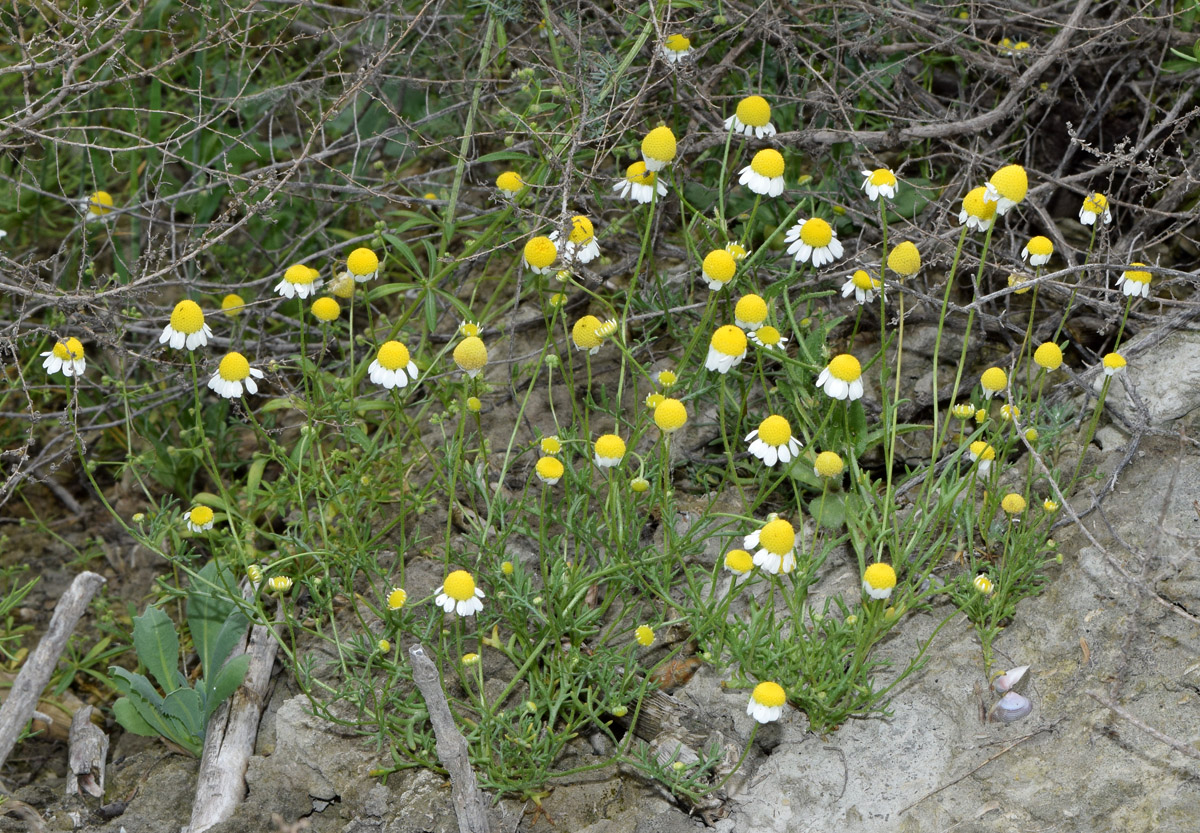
(470, 354)
(678, 43)
(720, 265)
(581, 230)
(1013, 504)
(768, 336)
(816, 233)
(770, 695)
(845, 368)
(1114, 361)
(978, 205)
(994, 379)
(864, 281)
(829, 464)
(1096, 203)
(549, 468)
(187, 317)
(610, 446)
(882, 176)
(777, 537)
(540, 252)
(659, 144)
(1010, 182)
(298, 273)
(667, 378)
(653, 400)
(637, 174)
(101, 203)
(362, 262)
(397, 598)
(510, 181)
(670, 415)
(474, 404)
(751, 308)
(737, 250)
(68, 350)
(754, 111)
(1135, 275)
(983, 451)
(551, 445)
(232, 304)
(644, 636)
(729, 340)
(905, 259)
(775, 430)
(234, 367)
(880, 576)
(584, 332)
(459, 586)
(739, 561)
(768, 163)
(1040, 246)
(393, 356)
(326, 309)
(200, 515)
(1048, 355)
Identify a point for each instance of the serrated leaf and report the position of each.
(157, 646)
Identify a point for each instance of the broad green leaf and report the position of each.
(829, 510)
(225, 683)
(183, 704)
(157, 646)
(207, 611)
(131, 720)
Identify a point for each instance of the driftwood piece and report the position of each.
(18, 707)
(451, 745)
(229, 741)
(87, 754)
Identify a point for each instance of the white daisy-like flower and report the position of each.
(66, 356)
(764, 174)
(978, 211)
(753, 117)
(186, 327)
(772, 441)
(726, 349)
(769, 338)
(1135, 282)
(640, 184)
(458, 594)
(393, 366)
(880, 181)
(766, 702)
(97, 207)
(862, 286)
(233, 374)
(1095, 206)
(676, 48)
(581, 243)
(774, 546)
(1007, 187)
(1038, 251)
(842, 378)
(813, 238)
(299, 281)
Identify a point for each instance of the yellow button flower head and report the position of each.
(675, 48)
(96, 207)
(718, 269)
(343, 285)
(1007, 187)
(764, 174)
(326, 309)
(640, 184)
(470, 658)
(550, 445)
(255, 574)
(469, 328)
(666, 378)
(644, 635)
(639, 485)
(384, 646)
(769, 338)
(234, 373)
(200, 519)
(299, 281)
(964, 410)
(540, 254)
(474, 404)
(232, 304)
(772, 441)
(878, 580)
(610, 449)
(776, 546)
(585, 336)
(813, 238)
(862, 286)
(842, 378)
(1050, 506)
(471, 356)
(904, 259)
(549, 470)
(1095, 207)
(1135, 282)
(981, 416)
(1038, 250)
(1013, 504)
(1114, 363)
(670, 415)
(978, 211)
(393, 366)
(1010, 413)
(186, 327)
(1031, 434)
(737, 250)
(829, 464)
(363, 264)
(510, 183)
(726, 349)
(750, 312)
(766, 702)
(458, 594)
(66, 356)
(1048, 355)
(752, 118)
(993, 381)
(658, 148)
(879, 181)
(396, 598)
(1015, 280)
(556, 300)
(653, 400)
(982, 453)
(983, 584)
(279, 584)
(738, 562)
(580, 246)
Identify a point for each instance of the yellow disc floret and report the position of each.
(845, 367)
(510, 182)
(459, 586)
(719, 265)
(769, 694)
(828, 464)
(471, 355)
(200, 515)
(1010, 182)
(100, 203)
(659, 145)
(767, 163)
(540, 252)
(187, 317)
(610, 447)
(393, 356)
(775, 430)
(232, 304)
(234, 367)
(397, 598)
(670, 415)
(994, 380)
(584, 333)
(362, 262)
(750, 310)
(777, 537)
(1013, 504)
(582, 230)
(754, 111)
(904, 259)
(549, 469)
(326, 309)
(1049, 356)
(983, 451)
(68, 350)
(739, 561)
(729, 340)
(299, 274)
(816, 233)
(880, 576)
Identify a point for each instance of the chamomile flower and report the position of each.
(880, 181)
(862, 286)
(982, 453)
(640, 183)
(813, 238)
(718, 269)
(458, 594)
(1010, 413)
(1013, 504)
(1007, 187)
(299, 281)
(363, 264)
(584, 334)
(978, 211)
(644, 635)
(1135, 282)
(610, 450)
(200, 519)
(510, 184)
(658, 148)
(1038, 251)
(581, 243)
(905, 259)
(471, 356)
(1113, 363)
(775, 546)
(666, 378)
(470, 328)
(828, 464)
(993, 381)
(766, 702)
(737, 250)
(879, 580)
(393, 366)
(675, 48)
(739, 562)
(750, 312)
(342, 285)
(1094, 207)
(396, 598)
(551, 445)
(540, 254)
(773, 442)
(1017, 283)
(1049, 506)
(769, 338)
(726, 349)
(752, 117)
(279, 584)
(232, 305)
(474, 404)
(653, 400)
(96, 207)
(549, 470)
(66, 356)
(964, 410)
(670, 415)
(186, 327)
(1048, 355)
(983, 584)
(234, 374)
(639, 485)
(842, 378)
(326, 309)
(764, 174)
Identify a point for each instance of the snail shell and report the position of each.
(1010, 708)
(1007, 681)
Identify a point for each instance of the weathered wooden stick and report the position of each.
(229, 742)
(86, 756)
(451, 746)
(35, 673)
